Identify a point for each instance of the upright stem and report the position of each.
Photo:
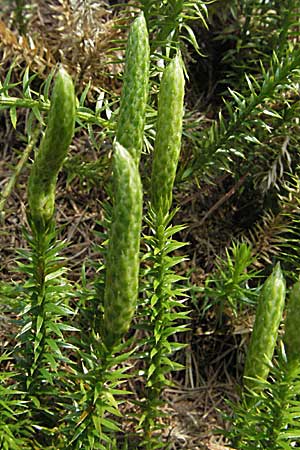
(19, 16)
(283, 401)
(12, 181)
(38, 307)
(158, 350)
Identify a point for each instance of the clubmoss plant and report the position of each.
(268, 415)
(46, 293)
(228, 287)
(164, 314)
(95, 420)
(15, 425)
(230, 136)
(165, 296)
(265, 331)
(77, 399)
(271, 420)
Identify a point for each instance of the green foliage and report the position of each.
(168, 21)
(15, 428)
(68, 390)
(226, 139)
(92, 417)
(38, 102)
(258, 28)
(44, 320)
(164, 308)
(229, 286)
(164, 314)
(271, 421)
(292, 323)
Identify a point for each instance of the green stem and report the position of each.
(12, 181)
(96, 405)
(15, 102)
(157, 316)
(282, 403)
(19, 16)
(38, 308)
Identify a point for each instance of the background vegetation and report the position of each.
(234, 215)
